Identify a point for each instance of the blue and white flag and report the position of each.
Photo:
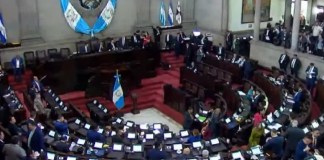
(105, 17)
(118, 95)
(78, 24)
(162, 14)
(170, 16)
(179, 14)
(3, 34)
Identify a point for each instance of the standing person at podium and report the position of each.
(122, 44)
(295, 65)
(168, 41)
(17, 64)
(283, 61)
(188, 55)
(311, 76)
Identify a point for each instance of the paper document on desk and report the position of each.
(241, 93)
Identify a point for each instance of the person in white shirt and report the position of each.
(17, 64)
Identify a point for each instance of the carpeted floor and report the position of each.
(150, 94)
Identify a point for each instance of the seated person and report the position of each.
(205, 154)
(297, 99)
(186, 154)
(250, 94)
(13, 127)
(195, 136)
(61, 126)
(119, 137)
(156, 153)
(275, 145)
(303, 148)
(188, 119)
(14, 151)
(62, 145)
(93, 135)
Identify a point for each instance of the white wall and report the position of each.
(277, 10)
(208, 14)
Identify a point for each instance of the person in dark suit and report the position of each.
(13, 127)
(320, 142)
(118, 138)
(234, 59)
(156, 153)
(122, 43)
(275, 145)
(177, 46)
(283, 61)
(295, 65)
(156, 34)
(61, 126)
(188, 119)
(297, 99)
(303, 147)
(229, 40)
(188, 55)
(311, 76)
(168, 41)
(220, 52)
(135, 41)
(62, 145)
(1, 144)
(17, 64)
(35, 137)
(293, 136)
(111, 46)
(247, 69)
(315, 134)
(268, 34)
(214, 122)
(94, 136)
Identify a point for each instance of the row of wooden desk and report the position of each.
(95, 72)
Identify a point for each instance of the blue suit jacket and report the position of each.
(275, 145)
(94, 136)
(61, 127)
(299, 153)
(297, 97)
(155, 154)
(314, 75)
(39, 87)
(14, 60)
(37, 140)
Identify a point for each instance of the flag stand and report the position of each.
(134, 103)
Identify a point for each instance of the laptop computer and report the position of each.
(149, 139)
(50, 156)
(197, 145)
(130, 124)
(81, 141)
(237, 155)
(177, 147)
(98, 145)
(168, 138)
(144, 126)
(50, 138)
(256, 150)
(117, 151)
(71, 158)
(184, 134)
(157, 126)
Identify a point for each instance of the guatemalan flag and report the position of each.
(170, 16)
(74, 19)
(162, 14)
(118, 95)
(179, 14)
(3, 35)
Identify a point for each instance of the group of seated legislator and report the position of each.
(140, 39)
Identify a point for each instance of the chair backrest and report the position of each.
(95, 44)
(80, 46)
(53, 53)
(41, 54)
(65, 52)
(29, 57)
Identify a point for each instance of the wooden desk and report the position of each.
(272, 91)
(319, 97)
(77, 72)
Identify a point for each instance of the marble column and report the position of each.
(288, 14)
(257, 21)
(225, 15)
(296, 25)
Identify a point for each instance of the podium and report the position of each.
(172, 30)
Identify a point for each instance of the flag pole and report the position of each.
(118, 113)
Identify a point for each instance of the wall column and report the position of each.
(296, 25)
(288, 14)
(225, 15)
(257, 17)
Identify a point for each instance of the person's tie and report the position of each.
(282, 58)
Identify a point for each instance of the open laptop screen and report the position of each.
(137, 148)
(117, 147)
